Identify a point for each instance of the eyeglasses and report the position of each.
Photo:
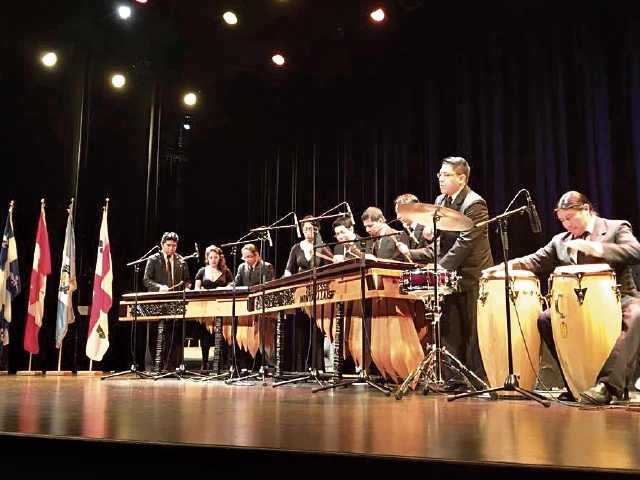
(446, 174)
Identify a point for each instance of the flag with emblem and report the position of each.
(98, 338)
(10, 284)
(67, 281)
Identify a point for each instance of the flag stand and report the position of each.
(58, 372)
(90, 373)
(29, 373)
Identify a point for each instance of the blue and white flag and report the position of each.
(10, 285)
(67, 282)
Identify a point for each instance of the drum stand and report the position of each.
(511, 382)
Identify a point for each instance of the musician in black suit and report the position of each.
(412, 235)
(376, 226)
(254, 270)
(165, 271)
(350, 242)
(467, 253)
(590, 239)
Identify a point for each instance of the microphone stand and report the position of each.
(511, 382)
(363, 374)
(181, 371)
(232, 374)
(134, 368)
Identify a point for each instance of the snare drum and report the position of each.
(525, 307)
(586, 318)
(422, 281)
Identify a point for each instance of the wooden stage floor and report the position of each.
(130, 426)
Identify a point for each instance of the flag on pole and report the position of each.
(67, 281)
(98, 338)
(38, 286)
(10, 284)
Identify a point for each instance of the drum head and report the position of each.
(583, 268)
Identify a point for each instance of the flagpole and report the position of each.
(65, 315)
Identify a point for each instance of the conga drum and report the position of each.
(525, 307)
(586, 319)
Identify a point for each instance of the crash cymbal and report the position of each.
(446, 218)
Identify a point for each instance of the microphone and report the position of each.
(534, 219)
(269, 238)
(197, 251)
(350, 213)
(295, 219)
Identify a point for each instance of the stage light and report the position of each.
(377, 15)
(187, 123)
(190, 99)
(141, 1)
(124, 12)
(49, 59)
(118, 80)
(278, 59)
(230, 18)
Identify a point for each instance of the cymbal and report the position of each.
(445, 218)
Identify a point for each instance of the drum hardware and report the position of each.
(432, 364)
(511, 383)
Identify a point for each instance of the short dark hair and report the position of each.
(169, 236)
(343, 222)
(459, 165)
(573, 200)
(374, 214)
(406, 198)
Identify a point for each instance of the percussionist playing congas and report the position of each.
(590, 239)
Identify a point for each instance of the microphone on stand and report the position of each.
(534, 219)
(350, 213)
(295, 219)
(197, 251)
(269, 238)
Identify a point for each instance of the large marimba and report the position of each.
(359, 305)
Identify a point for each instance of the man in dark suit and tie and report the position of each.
(165, 271)
(376, 226)
(590, 239)
(467, 253)
(254, 270)
(412, 236)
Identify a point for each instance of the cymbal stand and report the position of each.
(511, 382)
(432, 364)
(313, 368)
(134, 368)
(363, 374)
(181, 371)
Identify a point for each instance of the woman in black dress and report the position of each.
(214, 274)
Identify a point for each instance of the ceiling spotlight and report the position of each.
(377, 15)
(187, 122)
(118, 80)
(49, 59)
(124, 12)
(141, 1)
(230, 18)
(190, 99)
(278, 59)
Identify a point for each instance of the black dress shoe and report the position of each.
(598, 395)
(566, 397)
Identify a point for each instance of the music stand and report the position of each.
(134, 368)
(511, 382)
(181, 371)
(432, 363)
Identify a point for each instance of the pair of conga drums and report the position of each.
(584, 303)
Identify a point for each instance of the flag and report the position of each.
(38, 286)
(10, 284)
(98, 338)
(67, 282)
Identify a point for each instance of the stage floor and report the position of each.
(357, 421)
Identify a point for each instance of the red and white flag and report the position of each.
(38, 286)
(98, 338)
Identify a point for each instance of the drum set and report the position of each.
(431, 284)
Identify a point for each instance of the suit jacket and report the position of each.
(468, 252)
(415, 240)
(155, 273)
(247, 277)
(621, 249)
(385, 247)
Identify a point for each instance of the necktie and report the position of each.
(447, 201)
(169, 272)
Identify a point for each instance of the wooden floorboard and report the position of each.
(172, 425)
